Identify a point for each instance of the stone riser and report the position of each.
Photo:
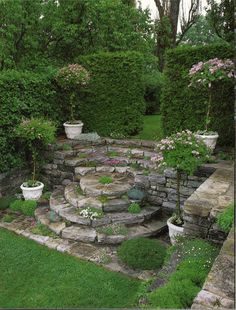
(113, 204)
(91, 235)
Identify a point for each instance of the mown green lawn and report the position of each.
(33, 276)
(152, 128)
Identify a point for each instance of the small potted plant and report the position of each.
(36, 133)
(204, 75)
(183, 152)
(71, 78)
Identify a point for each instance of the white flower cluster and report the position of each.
(89, 213)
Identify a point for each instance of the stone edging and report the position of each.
(73, 248)
(218, 289)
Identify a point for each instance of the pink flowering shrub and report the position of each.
(204, 74)
(181, 151)
(71, 78)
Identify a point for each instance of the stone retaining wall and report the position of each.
(218, 289)
(10, 181)
(160, 188)
(211, 198)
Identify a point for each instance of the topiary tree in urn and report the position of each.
(203, 76)
(35, 134)
(71, 79)
(183, 152)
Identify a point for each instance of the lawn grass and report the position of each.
(33, 276)
(152, 128)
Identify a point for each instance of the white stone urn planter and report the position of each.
(174, 231)
(32, 193)
(209, 139)
(73, 130)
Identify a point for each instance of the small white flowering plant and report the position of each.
(204, 74)
(36, 133)
(91, 213)
(183, 152)
(71, 78)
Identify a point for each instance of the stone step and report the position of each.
(72, 214)
(150, 229)
(78, 233)
(105, 203)
(43, 215)
(120, 184)
(86, 234)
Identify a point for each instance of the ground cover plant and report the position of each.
(27, 207)
(105, 180)
(196, 257)
(142, 253)
(115, 229)
(42, 230)
(32, 276)
(225, 219)
(134, 208)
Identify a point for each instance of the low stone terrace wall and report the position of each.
(218, 290)
(210, 198)
(160, 188)
(10, 181)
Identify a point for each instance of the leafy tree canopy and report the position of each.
(39, 32)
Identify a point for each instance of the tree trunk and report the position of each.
(174, 17)
(178, 211)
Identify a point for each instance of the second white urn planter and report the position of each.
(174, 231)
(73, 130)
(32, 193)
(209, 139)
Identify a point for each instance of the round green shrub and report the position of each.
(6, 201)
(28, 207)
(16, 205)
(142, 253)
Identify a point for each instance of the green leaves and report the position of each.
(183, 107)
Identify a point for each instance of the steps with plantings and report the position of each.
(96, 206)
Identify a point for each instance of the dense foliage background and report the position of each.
(116, 41)
(184, 107)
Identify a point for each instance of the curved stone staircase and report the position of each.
(114, 223)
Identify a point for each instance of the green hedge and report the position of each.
(24, 94)
(113, 103)
(183, 107)
(114, 100)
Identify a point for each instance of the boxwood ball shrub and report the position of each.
(183, 107)
(6, 201)
(142, 253)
